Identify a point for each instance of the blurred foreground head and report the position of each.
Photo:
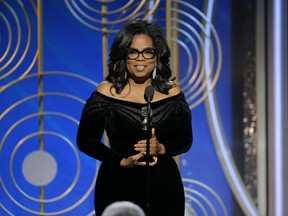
(123, 208)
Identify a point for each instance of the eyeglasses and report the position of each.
(148, 53)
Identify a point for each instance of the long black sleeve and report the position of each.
(90, 132)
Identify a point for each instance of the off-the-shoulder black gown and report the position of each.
(122, 122)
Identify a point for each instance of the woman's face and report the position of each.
(141, 65)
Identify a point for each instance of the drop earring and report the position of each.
(125, 75)
(154, 72)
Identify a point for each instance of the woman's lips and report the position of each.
(140, 67)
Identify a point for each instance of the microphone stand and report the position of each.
(148, 95)
(148, 158)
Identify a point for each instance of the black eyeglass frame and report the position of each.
(141, 52)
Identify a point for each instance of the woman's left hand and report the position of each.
(156, 148)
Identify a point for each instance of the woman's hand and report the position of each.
(132, 161)
(156, 148)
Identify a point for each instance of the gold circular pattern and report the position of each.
(108, 16)
(200, 50)
(202, 199)
(18, 47)
(71, 187)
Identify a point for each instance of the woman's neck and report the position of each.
(139, 83)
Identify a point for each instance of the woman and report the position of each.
(139, 57)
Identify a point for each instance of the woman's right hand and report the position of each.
(132, 161)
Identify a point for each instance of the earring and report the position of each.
(154, 72)
(125, 75)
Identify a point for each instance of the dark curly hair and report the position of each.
(123, 40)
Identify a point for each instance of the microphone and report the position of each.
(149, 94)
(146, 114)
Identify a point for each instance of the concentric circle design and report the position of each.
(202, 199)
(56, 166)
(18, 21)
(42, 173)
(198, 39)
(108, 16)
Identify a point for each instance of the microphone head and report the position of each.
(149, 93)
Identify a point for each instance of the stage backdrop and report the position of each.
(53, 54)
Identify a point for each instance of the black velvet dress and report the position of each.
(123, 124)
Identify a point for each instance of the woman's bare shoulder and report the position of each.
(104, 88)
(175, 88)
